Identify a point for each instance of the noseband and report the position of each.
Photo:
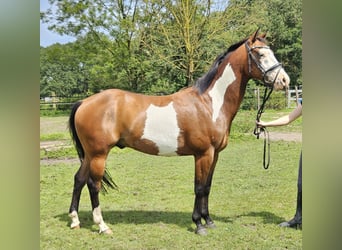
(264, 71)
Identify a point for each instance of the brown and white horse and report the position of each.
(194, 121)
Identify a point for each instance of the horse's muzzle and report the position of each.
(282, 81)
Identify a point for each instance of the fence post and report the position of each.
(297, 95)
(258, 98)
(54, 100)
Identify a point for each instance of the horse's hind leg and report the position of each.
(80, 180)
(97, 167)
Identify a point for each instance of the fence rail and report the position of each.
(252, 100)
(293, 96)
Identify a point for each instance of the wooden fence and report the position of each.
(293, 96)
(252, 100)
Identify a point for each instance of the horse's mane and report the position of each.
(204, 82)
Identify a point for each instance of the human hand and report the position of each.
(260, 124)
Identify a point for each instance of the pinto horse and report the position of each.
(194, 121)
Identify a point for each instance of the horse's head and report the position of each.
(263, 65)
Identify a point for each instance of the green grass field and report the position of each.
(153, 206)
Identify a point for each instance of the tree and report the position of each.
(112, 24)
(283, 22)
(285, 28)
(59, 72)
(142, 35)
(160, 46)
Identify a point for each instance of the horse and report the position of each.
(193, 121)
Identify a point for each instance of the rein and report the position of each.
(257, 130)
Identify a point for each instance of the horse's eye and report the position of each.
(262, 55)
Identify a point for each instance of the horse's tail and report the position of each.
(73, 132)
(107, 180)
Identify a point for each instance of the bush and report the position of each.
(276, 101)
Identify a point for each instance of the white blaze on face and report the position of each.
(267, 59)
(161, 127)
(218, 91)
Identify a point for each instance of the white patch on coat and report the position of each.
(75, 222)
(218, 91)
(97, 218)
(161, 127)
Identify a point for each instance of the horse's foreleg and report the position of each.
(80, 179)
(94, 186)
(201, 209)
(198, 207)
(209, 223)
(203, 173)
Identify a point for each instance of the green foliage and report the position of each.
(284, 26)
(53, 113)
(158, 46)
(277, 101)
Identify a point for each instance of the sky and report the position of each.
(48, 37)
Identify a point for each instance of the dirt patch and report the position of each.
(54, 145)
(285, 136)
(50, 125)
(48, 162)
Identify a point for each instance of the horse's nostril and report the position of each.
(285, 80)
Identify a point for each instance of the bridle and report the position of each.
(264, 71)
(269, 88)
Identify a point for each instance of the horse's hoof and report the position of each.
(76, 227)
(107, 231)
(210, 225)
(201, 231)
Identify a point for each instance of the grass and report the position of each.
(152, 209)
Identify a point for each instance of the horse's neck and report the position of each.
(227, 93)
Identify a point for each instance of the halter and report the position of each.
(264, 71)
(269, 85)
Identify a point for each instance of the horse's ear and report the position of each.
(263, 35)
(255, 35)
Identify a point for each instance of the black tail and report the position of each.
(73, 132)
(107, 180)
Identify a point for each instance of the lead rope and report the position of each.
(258, 130)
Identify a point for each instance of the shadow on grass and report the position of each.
(267, 217)
(181, 219)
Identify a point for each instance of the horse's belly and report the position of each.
(155, 147)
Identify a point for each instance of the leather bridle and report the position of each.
(264, 71)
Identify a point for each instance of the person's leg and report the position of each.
(297, 219)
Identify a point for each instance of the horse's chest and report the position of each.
(161, 128)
